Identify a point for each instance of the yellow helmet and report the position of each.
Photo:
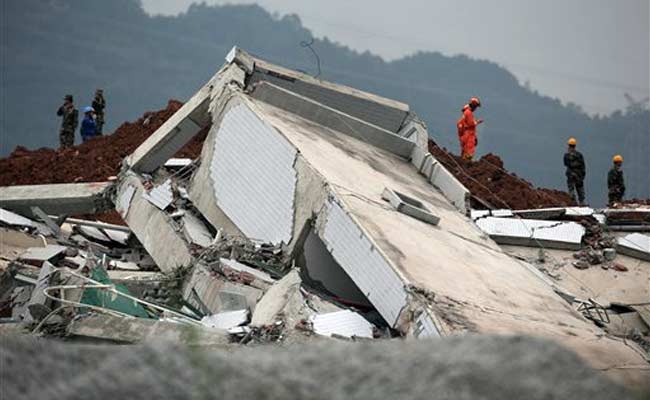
(617, 158)
(572, 142)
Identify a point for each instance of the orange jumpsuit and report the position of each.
(468, 140)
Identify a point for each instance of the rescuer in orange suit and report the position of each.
(467, 129)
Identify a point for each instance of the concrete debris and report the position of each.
(177, 163)
(226, 320)
(195, 231)
(38, 255)
(343, 323)
(161, 196)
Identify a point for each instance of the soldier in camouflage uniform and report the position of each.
(99, 104)
(615, 181)
(69, 122)
(575, 172)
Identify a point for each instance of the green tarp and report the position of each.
(110, 300)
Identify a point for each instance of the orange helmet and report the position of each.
(617, 159)
(475, 101)
(572, 142)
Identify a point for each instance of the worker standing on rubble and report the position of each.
(88, 125)
(466, 126)
(69, 122)
(99, 104)
(615, 181)
(575, 171)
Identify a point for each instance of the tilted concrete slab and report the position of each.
(153, 227)
(57, 199)
(140, 330)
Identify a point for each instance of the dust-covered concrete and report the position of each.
(472, 367)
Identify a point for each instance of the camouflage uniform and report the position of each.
(99, 104)
(575, 175)
(615, 185)
(69, 124)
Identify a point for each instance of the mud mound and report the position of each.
(93, 161)
(492, 186)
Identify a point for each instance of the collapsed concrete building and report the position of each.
(338, 183)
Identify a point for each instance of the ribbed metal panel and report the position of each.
(568, 232)
(344, 323)
(425, 327)
(364, 264)
(377, 114)
(253, 176)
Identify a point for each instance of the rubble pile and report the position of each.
(89, 282)
(93, 161)
(490, 183)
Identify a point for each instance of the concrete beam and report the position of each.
(333, 119)
(57, 199)
(185, 123)
(173, 134)
(140, 330)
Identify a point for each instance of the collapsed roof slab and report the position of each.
(153, 227)
(57, 199)
(475, 285)
(183, 125)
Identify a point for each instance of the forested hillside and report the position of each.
(53, 47)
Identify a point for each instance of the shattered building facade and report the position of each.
(307, 189)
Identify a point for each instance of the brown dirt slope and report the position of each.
(100, 158)
(93, 161)
(489, 181)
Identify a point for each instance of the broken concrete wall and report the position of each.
(246, 180)
(153, 228)
(56, 199)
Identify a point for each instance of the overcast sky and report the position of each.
(586, 51)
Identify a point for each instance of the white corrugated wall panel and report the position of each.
(569, 232)
(364, 264)
(253, 176)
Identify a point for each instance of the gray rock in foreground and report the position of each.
(473, 367)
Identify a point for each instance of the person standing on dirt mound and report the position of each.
(615, 181)
(466, 126)
(69, 122)
(575, 171)
(99, 104)
(88, 125)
